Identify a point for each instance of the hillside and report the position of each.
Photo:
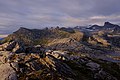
(36, 36)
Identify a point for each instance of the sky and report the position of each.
(51, 13)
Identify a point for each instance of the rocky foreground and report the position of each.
(38, 63)
(55, 65)
(62, 54)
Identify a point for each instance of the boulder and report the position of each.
(18, 48)
(102, 75)
(93, 66)
(5, 56)
(8, 46)
(7, 72)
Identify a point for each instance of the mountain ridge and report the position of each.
(107, 25)
(61, 54)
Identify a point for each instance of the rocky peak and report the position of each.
(109, 25)
(22, 30)
(106, 26)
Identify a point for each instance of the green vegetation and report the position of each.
(64, 34)
(40, 41)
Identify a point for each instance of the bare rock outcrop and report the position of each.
(7, 72)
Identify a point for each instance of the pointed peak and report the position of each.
(110, 25)
(21, 28)
(107, 23)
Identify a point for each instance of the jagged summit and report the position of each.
(107, 25)
(22, 30)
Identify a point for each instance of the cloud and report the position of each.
(106, 7)
(43, 13)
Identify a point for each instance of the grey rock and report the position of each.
(93, 66)
(7, 72)
(15, 66)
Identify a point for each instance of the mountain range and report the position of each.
(62, 53)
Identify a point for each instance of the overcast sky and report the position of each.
(43, 13)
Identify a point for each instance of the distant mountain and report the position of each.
(106, 26)
(101, 36)
(110, 25)
(94, 27)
